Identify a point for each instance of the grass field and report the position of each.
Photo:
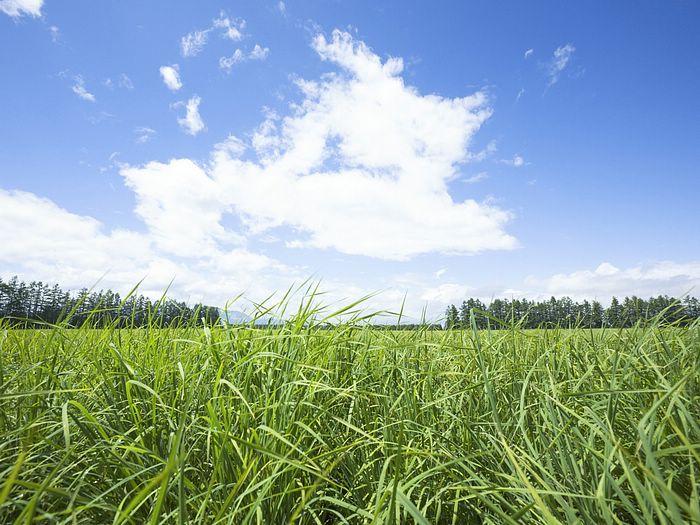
(349, 425)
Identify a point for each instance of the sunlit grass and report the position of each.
(350, 424)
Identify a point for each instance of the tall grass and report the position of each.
(349, 424)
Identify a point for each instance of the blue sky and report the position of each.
(434, 149)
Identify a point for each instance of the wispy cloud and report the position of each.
(517, 161)
(55, 33)
(476, 178)
(227, 63)
(80, 90)
(258, 53)
(144, 134)
(560, 60)
(529, 53)
(192, 43)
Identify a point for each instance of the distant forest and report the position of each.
(36, 302)
(565, 312)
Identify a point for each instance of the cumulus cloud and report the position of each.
(560, 59)
(362, 164)
(80, 90)
(192, 122)
(171, 77)
(17, 8)
(42, 241)
(181, 206)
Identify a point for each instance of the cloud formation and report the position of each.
(171, 77)
(192, 122)
(18, 8)
(560, 59)
(257, 53)
(233, 29)
(362, 165)
(192, 43)
(144, 134)
(80, 90)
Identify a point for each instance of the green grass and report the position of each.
(349, 425)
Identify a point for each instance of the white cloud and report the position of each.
(440, 273)
(192, 43)
(259, 52)
(560, 59)
(181, 206)
(144, 134)
(664, 277)
(529, 53)
(517, 161)
(40, 237)
(17, 8)
(233, 29)
(192, 122)
(55, 33)
(362, 165)
(171, 77)
(42, 241)
(282, 7)
(227, 63)
(482, 175)
(231, 146)
(125, 82)
(79, 89)
(445, 294)
(520, 94)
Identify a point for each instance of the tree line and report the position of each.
(567, 313)
(36, 302)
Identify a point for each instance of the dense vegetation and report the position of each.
(23, 303)
(294, 423)
(564, 312)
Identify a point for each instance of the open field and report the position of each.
(349, 425)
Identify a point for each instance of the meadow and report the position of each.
(349, 423)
